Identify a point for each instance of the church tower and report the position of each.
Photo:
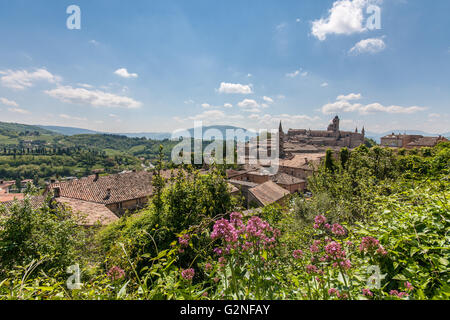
(334, 126)
(281, 141)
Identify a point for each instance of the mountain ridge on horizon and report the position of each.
(70, 131)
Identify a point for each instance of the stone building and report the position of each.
(410, 141)
(308, 141)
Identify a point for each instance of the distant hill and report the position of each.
(68, 131)
(11, 127)
(71, 131)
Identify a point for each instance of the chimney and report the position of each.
(56, 192)
(52, 180)
(108, 194)
(306, 160)
(96, 176)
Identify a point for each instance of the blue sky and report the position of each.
(161, 65)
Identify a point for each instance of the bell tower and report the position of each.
(334, 126)
(281, 141)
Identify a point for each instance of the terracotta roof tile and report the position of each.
(91, 212)
(284, 178)
(107, 189)
(268, 192)
(4, 197)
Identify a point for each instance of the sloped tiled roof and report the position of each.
(301, 160)
(107, 189)
(268, 192)
(35, 201)
(91, 212)
(4, 197)
(284, 178)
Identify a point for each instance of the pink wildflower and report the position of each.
(332, 291)
(338, 230)
(116, 273)
(409, 286)
(184, 240)
(318, 221)
(367, 293)
(297, 254)
(311, 269)
(223, 229)
(188, 274)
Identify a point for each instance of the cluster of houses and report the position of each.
(9, 190)
(410, 141)
(102, 199)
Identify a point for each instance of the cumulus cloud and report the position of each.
(7, 102)
(343, 104)
(345, 17)
(125, 74)
(21, 79)
(325, 84)
(248, 103)
(372, 45)
(95, 98)
(235, 88)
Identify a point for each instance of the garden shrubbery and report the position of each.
(376, 228)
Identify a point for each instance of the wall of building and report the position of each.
(121, 207)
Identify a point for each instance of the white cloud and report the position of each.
(85, 85)
(190, 101)
(8, 102)
(268, 99)
(292, 120)
(325, 84)
(297, 20)
(66, 116)
(345, 17)
(343, 104)
(95, 98)
(372, 45)
(210, 115)
(21, 79)
(351, 96)
(293, 74)
(208, 106)
(296, 73)
(125, 74)
(94, 42)
(248, 103)
(18, 110)
(235, 88)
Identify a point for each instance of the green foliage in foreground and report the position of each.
(377, 218)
